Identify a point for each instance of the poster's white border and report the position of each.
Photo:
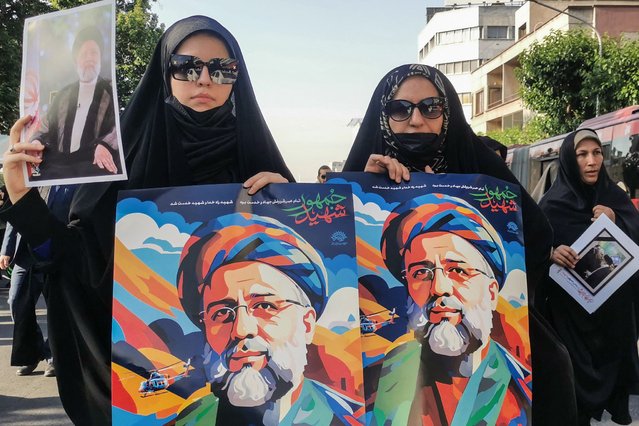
(54, 15)
(575, 288)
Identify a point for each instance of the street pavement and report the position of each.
(33, 400)
(26, 400)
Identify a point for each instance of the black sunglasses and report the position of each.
(189, 68)
(401, 110)
(323, 176)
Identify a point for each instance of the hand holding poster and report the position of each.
(607, 259)
(443, 300)
(67, 87)
(231, 309)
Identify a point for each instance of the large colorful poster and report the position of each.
(443, 301)
(236, 309)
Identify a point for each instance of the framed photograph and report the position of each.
(68, 75)
(606, 261)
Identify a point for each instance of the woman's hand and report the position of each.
(14, 159)
(564, 256)
(598, 210)
(378, 163)
(262, 179)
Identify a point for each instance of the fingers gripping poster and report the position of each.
(230, 309)
(443, 302)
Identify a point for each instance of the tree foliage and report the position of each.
(137, 31)
(562, 76)
(532, 132)
(618, 75)
(137, 34)
(12, 16)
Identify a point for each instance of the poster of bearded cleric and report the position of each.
(443, 300)
(68, 70)
(236, 309)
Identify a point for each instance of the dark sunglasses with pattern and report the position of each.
(401, 109)
(189, 68)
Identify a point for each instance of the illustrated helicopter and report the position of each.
(369, 325)
(158, 382)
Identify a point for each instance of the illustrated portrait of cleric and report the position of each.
(256, 289)
(453, 264)
(78, 129)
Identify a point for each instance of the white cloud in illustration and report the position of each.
(137, 230)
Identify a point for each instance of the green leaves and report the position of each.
(562, 76)
(12, 16)
(137, 33)
(533, 131)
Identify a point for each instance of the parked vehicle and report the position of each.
(535, 165)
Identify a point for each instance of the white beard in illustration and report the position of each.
(250, 387)
(445, 338)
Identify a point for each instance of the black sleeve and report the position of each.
(538, 237)
(32, 219)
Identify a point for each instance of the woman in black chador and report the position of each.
(602, 345)
(193, 119)
(432, 135)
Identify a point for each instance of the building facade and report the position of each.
(458, 39)
(477, 44)
(497, 103)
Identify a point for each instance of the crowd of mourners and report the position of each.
(192, 130)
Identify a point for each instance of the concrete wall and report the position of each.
(617, 21)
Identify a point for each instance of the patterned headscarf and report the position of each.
(440, 213)
(393, 80)
(241, 237)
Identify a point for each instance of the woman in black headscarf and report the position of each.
(602, 345)
(415, 122)
(193, 119)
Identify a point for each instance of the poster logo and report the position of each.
(512, 227)
(496, 200)
(318, 209)
(338, 238)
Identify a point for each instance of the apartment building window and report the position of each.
(465, 97)
(522, 31)
(457, 36)
(450, 68)
(460, 67)
(479, 102)
(513, 120)
(499, 32)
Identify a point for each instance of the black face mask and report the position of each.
(417, 150)
(200, 118)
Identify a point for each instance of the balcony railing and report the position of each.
(505, 100)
